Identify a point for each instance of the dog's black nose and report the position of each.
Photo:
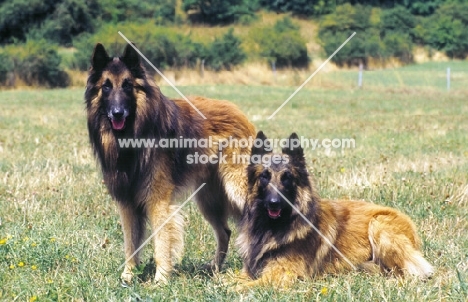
(117, 112)
(274, 202)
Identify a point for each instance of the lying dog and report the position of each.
(287, 232)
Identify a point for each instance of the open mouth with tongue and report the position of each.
(274, 214)
(118, 123)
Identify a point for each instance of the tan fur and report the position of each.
(223, 120)
(368, 236)
(153, 176)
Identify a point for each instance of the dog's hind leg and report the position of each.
(133, 228)
(214, 206)
(395, 246)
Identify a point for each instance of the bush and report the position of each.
(281, 44)
(37, 63)
(61, 21)
(225, 52)
(136, 10)
(6, 67)
(379, 34)
(18, 16)
(216, 11)
(165, 12)
(335, 28)
(57, 21)
(398, 45)
(397, 33)
(300, 7)
(397, 19)
(70, 18)
(446, 30)
(163, 46)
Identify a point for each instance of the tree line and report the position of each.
(31, 32)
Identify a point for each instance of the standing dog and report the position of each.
(279, 245)
(123, 102)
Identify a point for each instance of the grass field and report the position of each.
(60, 237)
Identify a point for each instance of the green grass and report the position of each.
(416, 76)
(60, 237)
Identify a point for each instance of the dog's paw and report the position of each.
(210, 268)
(126, 278)
(235, 281)
(161, 277)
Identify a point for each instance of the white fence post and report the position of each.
(202, 68)
(360, 76)
(448, 78)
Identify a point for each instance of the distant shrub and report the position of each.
(60, 21)
(164, 11)
(163, 46)
(397, 19)
(136, 10)
(57, 21)
(6, 67)
(18, 16)
(216, 11)
(446, 29)
(38, 63)
(225, 52)
(300, 7)
(281, 44)
(70, 18)
(380, 34)
(397, 31)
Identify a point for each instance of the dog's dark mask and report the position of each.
(276, 184)
(117, 89)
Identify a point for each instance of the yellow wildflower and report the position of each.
(324, 291)
(21, 264)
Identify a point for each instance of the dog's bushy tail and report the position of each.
(395, 246)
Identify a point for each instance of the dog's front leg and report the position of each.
(133, 228)
(159, 210)
(274, 275)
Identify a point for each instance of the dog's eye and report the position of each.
(127, 86)
(265, 178)
(107, 87)
(287, 179)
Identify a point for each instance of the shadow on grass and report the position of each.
(146, 271)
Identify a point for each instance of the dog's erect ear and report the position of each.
(259, 144)
(294, 150)
(100, 57)
(131, 58)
